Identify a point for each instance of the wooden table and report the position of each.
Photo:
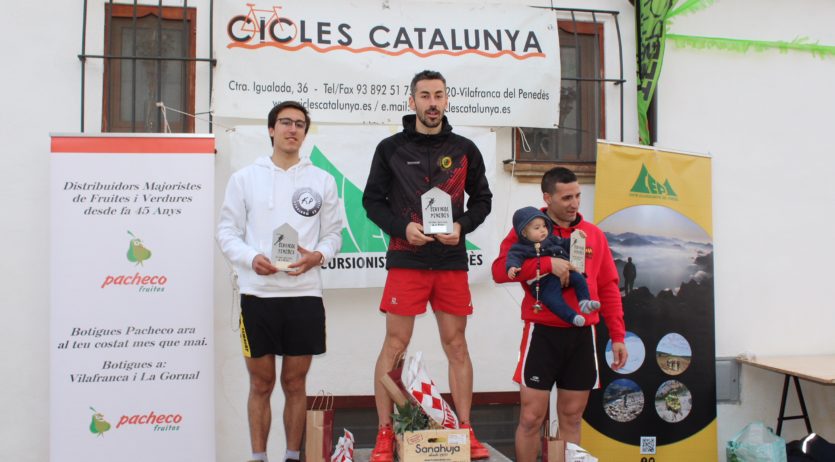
(814, 368)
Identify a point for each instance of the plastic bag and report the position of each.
(424, 392)
(344, 450)
(756, 443)
(812, 448)
(574, 453)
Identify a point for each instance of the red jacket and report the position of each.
(601, 276)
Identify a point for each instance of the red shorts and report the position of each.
(408, 290)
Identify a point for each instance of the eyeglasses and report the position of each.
(287, 123)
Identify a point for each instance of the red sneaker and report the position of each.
(477, 450)
(384, 447)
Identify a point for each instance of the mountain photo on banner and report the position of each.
(665, 265)
(664, 258)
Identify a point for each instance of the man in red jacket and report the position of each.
(553, 351)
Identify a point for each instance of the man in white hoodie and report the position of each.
(281, 311)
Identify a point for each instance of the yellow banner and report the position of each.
(654, 207)
(700, 447)
(641, 175)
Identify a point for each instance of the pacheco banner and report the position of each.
(131, 336)
(655, 208)
(352, 62)
(345, 152)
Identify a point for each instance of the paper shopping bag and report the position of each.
(553, 449)
(393, 383)
(318, 431)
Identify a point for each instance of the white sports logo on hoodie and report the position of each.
(306, 202)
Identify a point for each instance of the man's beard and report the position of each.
(427, 123)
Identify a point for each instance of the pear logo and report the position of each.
(647, 185)
(97, 423)
(137, 252)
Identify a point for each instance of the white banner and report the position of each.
(131, 334)
(352, 62)
(346, 152)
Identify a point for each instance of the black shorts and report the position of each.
(290, 326)
(562, 355)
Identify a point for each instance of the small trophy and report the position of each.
(436, 208)
(285, 247)
(578, 250)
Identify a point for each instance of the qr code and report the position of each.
(647, 445)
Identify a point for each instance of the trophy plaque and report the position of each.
(436, 207)
(285, 247)
(578, 250)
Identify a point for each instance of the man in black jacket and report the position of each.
(422, 267)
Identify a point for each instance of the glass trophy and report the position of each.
(436, 208)
(578, 250)
(285, 247)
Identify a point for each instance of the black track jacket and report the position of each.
(408, 164)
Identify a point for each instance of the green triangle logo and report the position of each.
(647, 184)
(359, 234)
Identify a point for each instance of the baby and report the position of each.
(536, 239)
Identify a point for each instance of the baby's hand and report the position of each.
(511, 272)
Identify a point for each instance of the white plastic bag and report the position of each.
(574, 453)
(344, 450)
(423, 391)
(756, 443)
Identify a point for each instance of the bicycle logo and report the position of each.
(256, 23)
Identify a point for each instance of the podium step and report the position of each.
(363, 454)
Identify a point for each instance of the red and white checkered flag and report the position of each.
(344, 450)
(426, 394)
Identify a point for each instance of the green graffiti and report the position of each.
(799, 44)
(359, 234)
(654, 20)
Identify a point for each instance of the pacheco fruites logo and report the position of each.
(146, 283)
(158, 422)
(97, 423)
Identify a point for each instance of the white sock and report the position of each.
(587, 306)
(295, 455)
(262, 456)
(579, 321)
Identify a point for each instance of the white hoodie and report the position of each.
(262, 197)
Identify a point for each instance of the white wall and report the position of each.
(32, 107)
(355, 326)
(767, 120)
